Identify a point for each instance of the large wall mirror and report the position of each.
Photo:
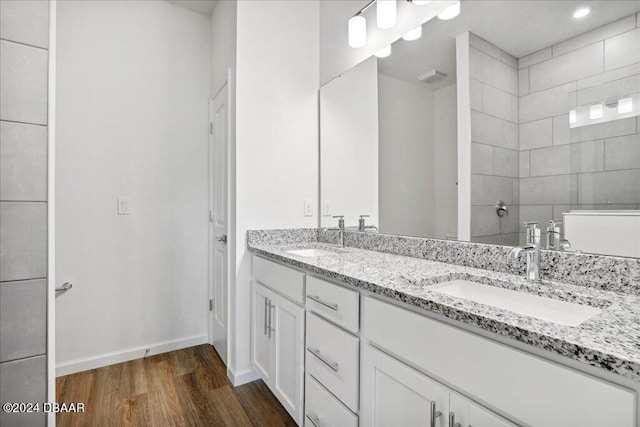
(511, 112)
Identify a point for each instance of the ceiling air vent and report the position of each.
(431, 76)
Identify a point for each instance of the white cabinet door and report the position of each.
(261, 348)
(288, 336)
(469, 414)
(395, 394)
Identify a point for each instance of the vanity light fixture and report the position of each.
(414, 34)
(357, 31)
(420, 2)
(450, 12)
(581, 12)
(596, 111)
(572, 116)
(386, 13)
(625, 105)
(384, 52)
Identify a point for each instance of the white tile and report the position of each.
(622, 50)
(545, 190)
(536, 213)
(536, 134)
(25, 22)
(550, 161)
(547, 103)
(24, 380)
(523, 81)
(609, 76)
(587, 156)
(497, 103)
(510, 60)
(480, 66)
(622, 153)
(481, 159)
(535, 58)
(23, 79)
(524, 164)
(561, 130)
(23, 240)
(515, 184)
(558, 210)
(484, 46)
(610, 91)
(484, 221)
(599, 34)
(515, 106)
(504, 77)
(486, 129)
(475, 88)
(23, 162)
(569, 67)
(487, 190)
(604, 130)
(573, 189)
(609, 187)
(505, 162)
(510, 224)
(509, 135)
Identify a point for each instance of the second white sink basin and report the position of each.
(552, 310)
(308, 253)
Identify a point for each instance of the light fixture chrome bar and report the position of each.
(364, 9)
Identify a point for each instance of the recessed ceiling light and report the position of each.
(450, 12)
(596, 111)
(581, 13)
(625, 105)
(384, 52)
(421, 2)
(414, 34)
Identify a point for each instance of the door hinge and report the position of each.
(210, 128)
(210, 305)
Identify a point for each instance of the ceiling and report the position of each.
(517, 27)
(204, 7)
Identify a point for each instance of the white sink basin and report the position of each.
(560, 312)
(308, 253)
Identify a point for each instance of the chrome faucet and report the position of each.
(532, 250)
(340, 228)
(553, 237)
(361, 225)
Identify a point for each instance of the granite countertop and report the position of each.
(610, 340)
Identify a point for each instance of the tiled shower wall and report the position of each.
(494, 142)
(24, 32)
(590, 167)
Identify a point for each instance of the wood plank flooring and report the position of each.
(187, 387)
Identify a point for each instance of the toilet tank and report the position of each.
(604, 232)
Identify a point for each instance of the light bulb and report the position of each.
(384, 52)
(414, 34)
(421, 2)
(581, 13)
(386, 13)
(596, 111)
(625, 105)
(450, 12)
(572, 116)
(357, 31)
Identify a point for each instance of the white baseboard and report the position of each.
(106, 359)
(243, 376)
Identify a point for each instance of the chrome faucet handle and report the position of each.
(361, 223)
(338, 216)
(365, 216)
(530, 224)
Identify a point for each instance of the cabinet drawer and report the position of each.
(284, 280)
(334, 302)
(323, 409)
(332, 359)
(503, 377)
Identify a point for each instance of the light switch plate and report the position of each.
(124, 206)
(326, 207)
(308, 207)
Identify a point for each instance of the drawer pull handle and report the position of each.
(316, 352)
(315, 420)
(317, 299)
(433, 415)
(452, 420)
(266, 313)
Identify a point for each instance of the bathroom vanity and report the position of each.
(349, 336)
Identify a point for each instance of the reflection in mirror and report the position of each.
(547, 109)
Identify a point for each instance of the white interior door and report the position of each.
(218, 222)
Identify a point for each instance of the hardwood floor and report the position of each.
(182, 388)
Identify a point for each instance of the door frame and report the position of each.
(231, 230)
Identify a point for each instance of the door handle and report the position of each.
(433, 414)
(269, 328)
(266, 313)
(452, 420)
(65, 287)
(223, 239)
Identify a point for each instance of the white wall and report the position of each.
(133, 82)
(223, 42)
(349, 150)
(276, 135)
(446, 164)
(336, 56)
(406, 158)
